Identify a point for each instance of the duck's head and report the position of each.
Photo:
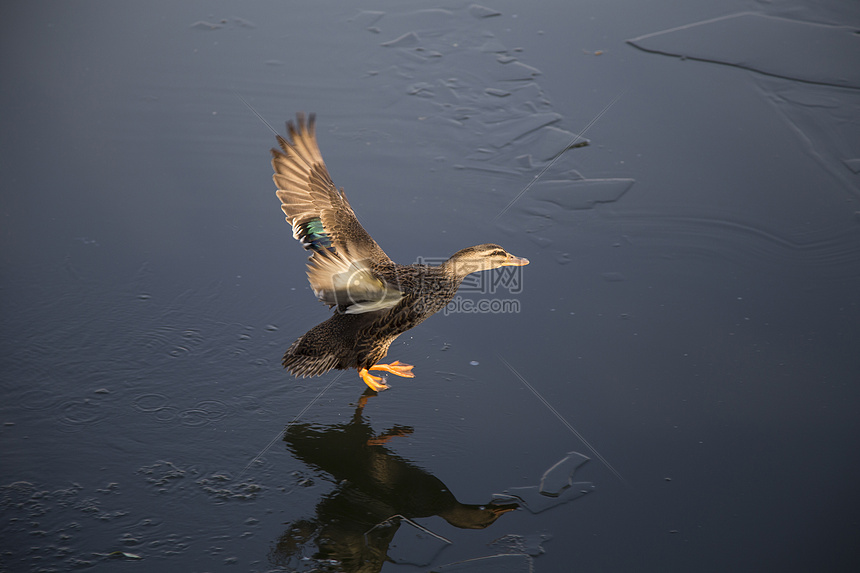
(482, 258)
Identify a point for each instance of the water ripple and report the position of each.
(204, 412)
(150, 402)
(39, 400)
(81, 412)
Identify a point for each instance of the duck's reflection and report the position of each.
(374, 485)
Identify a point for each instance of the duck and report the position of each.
(374, 299)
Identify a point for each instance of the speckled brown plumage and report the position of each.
(375, 299)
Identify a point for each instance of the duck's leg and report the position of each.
(374, 382)
(397, 368)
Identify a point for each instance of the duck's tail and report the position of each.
(301, 363)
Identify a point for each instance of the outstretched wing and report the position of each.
(343, 253)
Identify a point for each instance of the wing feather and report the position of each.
(343, 253)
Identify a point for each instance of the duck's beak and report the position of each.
(513, 261)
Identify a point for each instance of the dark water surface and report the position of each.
(692, 306)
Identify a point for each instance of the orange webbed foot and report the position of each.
(397, 368)
(374, 382)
